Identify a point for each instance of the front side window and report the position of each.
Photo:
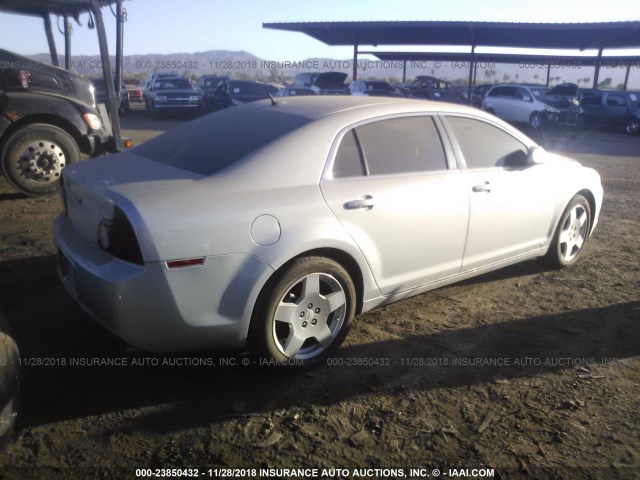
(399, 145)
(484, 145)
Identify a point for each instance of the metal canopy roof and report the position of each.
(554, 60)
(579, 36)
(45, 7)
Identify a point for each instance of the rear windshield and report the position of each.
(216, 141)
(242, 88)
(172, 84)
(379, 86)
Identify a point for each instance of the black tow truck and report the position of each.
(49, 117)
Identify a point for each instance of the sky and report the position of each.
(177, 26)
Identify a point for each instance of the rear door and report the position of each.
(406, 207)
(500, 100)
(615, 110)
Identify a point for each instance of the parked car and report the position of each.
(373, 88)
(618, 109)
(135, 90)
(156, 76)
(294, 92)
(48, 119)
(208, 85)
(273, 88)
(101, 95)
(478, 94)
(463, 90)
(237, 92)
(564, 97)
(327, 83)
(173, 94)
(305, 212)
(520, 103)
(431, 88)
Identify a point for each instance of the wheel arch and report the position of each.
(47, 119)
(341, 257)
(586, 193)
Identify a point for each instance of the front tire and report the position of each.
(34, 157)
(571, 233)
(581, 122)
(536, 121)
(303, 315)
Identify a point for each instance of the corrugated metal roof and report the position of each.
(495, 34)
(568, 61)
(41, 7)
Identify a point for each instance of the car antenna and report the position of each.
(273, 100)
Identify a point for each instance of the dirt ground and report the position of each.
(532, 372)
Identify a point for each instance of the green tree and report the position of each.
(606, 83)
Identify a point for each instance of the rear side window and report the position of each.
(216, 141)
(399, 145)
(348, 162)
(484, 145)
(501, 92)
(616, 101)
(591, 100)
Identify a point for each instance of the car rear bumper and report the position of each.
(156, 308)
(164, 106)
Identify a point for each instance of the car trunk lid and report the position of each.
(92, 191)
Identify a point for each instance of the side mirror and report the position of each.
(517, 159)
(526, 98)
(536, 156)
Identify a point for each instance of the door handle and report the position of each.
(365, 202)
(484, 187)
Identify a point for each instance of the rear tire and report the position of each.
(632, 127)
(34, 157)
(303, 315)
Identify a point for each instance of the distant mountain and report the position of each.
(244, 65)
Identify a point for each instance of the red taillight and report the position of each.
(23, 78)
(119, 239)
(185, 262)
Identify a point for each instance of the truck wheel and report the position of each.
(34, 157)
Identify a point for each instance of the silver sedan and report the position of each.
(272, 225)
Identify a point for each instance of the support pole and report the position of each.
(67, 43)
(404, 71)
(548, 73)
(52, 44)
(108, 75)
(626, 76)
(119, 46)
(354, 75)
(597, 69)
(472, 64)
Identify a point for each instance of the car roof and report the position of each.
(319, 106)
